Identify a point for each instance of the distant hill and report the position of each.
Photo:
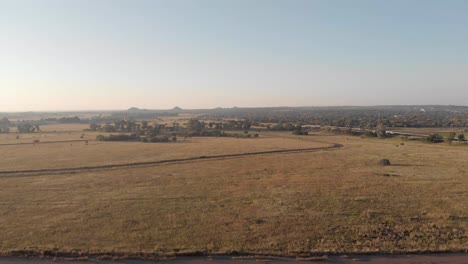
(176, 109)
(134, 109)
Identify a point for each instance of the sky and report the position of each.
(115, 54)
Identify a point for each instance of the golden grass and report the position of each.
(337, 200)
(78, 154)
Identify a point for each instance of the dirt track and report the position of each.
(43, 142)
(386, 259)
(149, 163)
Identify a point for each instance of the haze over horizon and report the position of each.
(101, 55)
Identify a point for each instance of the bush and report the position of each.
(300, 133)
(435, 138)
(204, 133)
(384, 162)
(159, 139)
(121, 137)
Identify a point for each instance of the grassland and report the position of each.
(96, 153)
(336, 200)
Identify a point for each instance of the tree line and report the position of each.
(21, 127)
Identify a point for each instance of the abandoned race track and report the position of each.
(159, 162)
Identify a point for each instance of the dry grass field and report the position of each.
(337, 200)
(96, 153)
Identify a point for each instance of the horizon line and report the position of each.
(233, 107)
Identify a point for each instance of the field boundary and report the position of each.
(169, 161)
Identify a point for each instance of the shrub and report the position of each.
(384, 162)
(159, 139)
(300, 133)
(120, 137)
(435, 138)
(204, 133)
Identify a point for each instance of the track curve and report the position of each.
(149, 163)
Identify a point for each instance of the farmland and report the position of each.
(332, 200)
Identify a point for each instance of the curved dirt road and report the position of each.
(149, 163)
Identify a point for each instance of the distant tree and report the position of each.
(74, 119)
(109, 128)
(435, 138)
(27, 128)
(144, 125)
(195, 125)
(5, 122)
(5, 125)
(461, 137)
(159, 139)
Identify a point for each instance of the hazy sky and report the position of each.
(111, 54)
